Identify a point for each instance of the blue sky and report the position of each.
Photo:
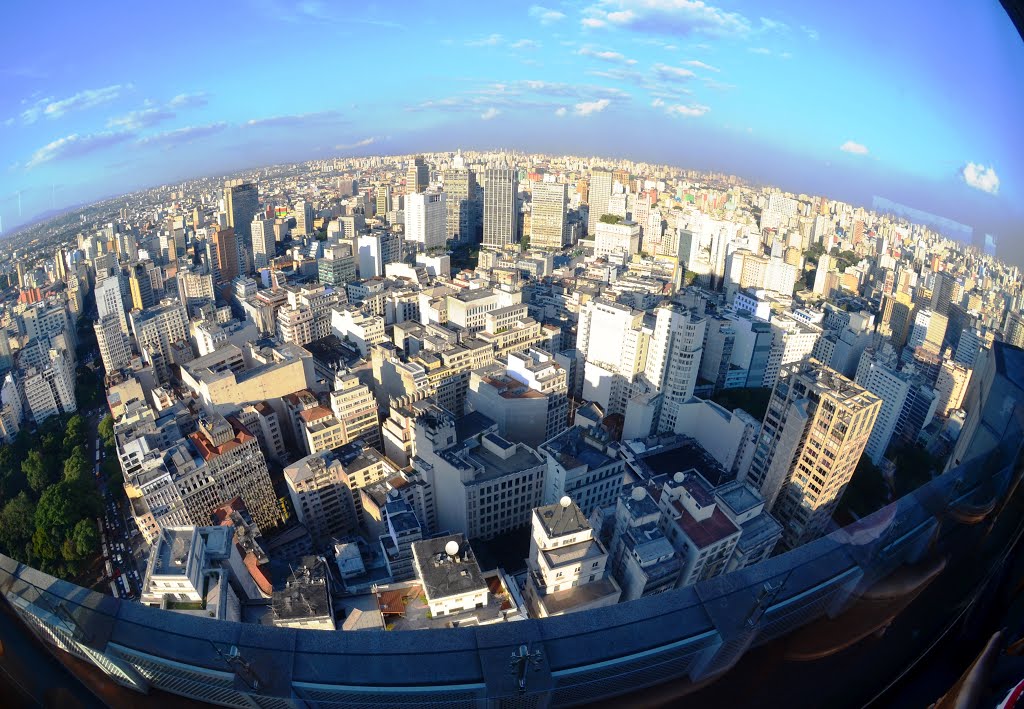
(919, 104)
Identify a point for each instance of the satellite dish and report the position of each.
(451, 548)
(679, 477)
(638, 493)
(565, 501)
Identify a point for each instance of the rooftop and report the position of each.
(707, 533)
(443, 575)
(305, 594)
(560, 521)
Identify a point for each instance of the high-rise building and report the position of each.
(321, 496)
(224, 250)
(529, 400)
(499, 206)
(241, 203)
(951, 387)
(109, 300)
(425, 220)
(942, 292)
(673, 358)
(896, 320)
(599, 191)
(156, 330)
(616, 240)
(338, 265)
(928, 330)
(218, 462)
(303, 218)
(878, 372)
(382, 201)
(462, 205)
(816, 427)
(141, 286)
(547, 218)
(114, 345)
(264, 242)
(376, 250)
(482, 483)
(49, 388)
(417, 176)
(777, 211)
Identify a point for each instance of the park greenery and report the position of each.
(50, 502)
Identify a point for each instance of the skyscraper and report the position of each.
(599, 190)
(109, 300)
(303, 218)
(499, 206)
(547, 220)
(816, 427)
(417, 176)
(942, 292)
(225, 251)
(382, 201)
(462, 205)
(673, 358)
(115, 348)
(425, 218)
(241, 202)
(141, 286)
(264, 243)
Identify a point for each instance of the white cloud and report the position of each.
(587, 107)
(692, 111)
(697, 64)
(545, 15)
(672, 17)
(672, 73)
(490, 113)
(592, 22)
(358, 144)
(75, 145)
(657, 103)
(488, 41)
(137, 120)
(759, 50)
(90, 98)
(297, 119)
(855, 148)
(561, 111)
(810, 32)
(605, 55)
(189, 100)
(181, 136)
(526, 44)
(980, 177)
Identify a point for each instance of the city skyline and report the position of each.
(786, 98)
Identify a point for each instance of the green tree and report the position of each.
(76, 466)
(36, 471)
(74, 433)
(610, 218)
(17, 524)
(106, 430)
(85, 538)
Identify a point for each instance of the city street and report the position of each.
(123, 549)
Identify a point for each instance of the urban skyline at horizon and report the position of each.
(688, 68)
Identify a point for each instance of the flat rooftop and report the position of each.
(443, 575)
(560, 521)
